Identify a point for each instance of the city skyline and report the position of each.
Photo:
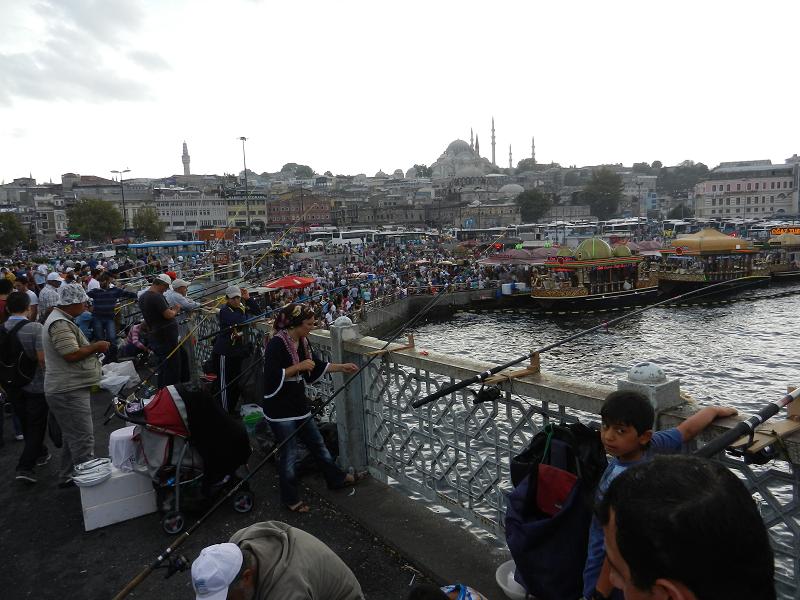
(89, 86)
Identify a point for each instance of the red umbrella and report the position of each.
(290, 282)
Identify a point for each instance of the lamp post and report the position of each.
(124, 214)
(246, 195)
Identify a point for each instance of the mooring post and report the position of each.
(350, 412)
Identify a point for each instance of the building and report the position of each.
(748, 189)
(185, 210)
(300, 207)
(460, 160)
(185, 160)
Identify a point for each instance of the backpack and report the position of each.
(16, 367)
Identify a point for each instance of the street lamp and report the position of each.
(124, 214)
(246, 195)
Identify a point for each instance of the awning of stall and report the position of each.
(784, 240)
(290, 282)
(708, 240)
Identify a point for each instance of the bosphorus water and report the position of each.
(741, 354)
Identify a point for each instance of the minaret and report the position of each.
(510, 162)
(477, 146)
(533, 150)
(494, 163)
(471, 145)
(185, 159)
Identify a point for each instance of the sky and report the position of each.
(89, 86)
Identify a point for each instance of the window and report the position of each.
(713, 212)
(728, 187)
(713, 202)
(727, 202)
(738, 201)
(772, 199)
(738, 187)
(713, 188)
(748, 186)
(738, 210)
(772, 185)
(756, 185)
(748, 199)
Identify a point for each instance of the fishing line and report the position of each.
(488, 373)
(186, 534)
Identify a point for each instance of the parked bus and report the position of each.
(168, 248)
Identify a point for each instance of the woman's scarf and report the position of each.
(283, 334)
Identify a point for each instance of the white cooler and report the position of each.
(125, 495)
(122, 448)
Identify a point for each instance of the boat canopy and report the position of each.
(785, 239)
(593, 249)
(709, 240)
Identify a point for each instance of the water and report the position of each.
(741, 354)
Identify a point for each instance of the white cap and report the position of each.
(215, 569)
(54, 277)
(233, 292)
(179, 283)
(163, 278)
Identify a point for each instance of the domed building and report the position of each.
(510, 190)
(460, 160)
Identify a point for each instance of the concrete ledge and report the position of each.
(439, 549)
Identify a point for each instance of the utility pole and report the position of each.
(124, 213)
(246, 194)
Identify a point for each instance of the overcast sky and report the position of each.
(93, 85)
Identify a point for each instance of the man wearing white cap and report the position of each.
(160, 319)
(48, 297)
(177, 297)
(272, 560)
(72, 369)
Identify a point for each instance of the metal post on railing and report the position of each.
(350, 411)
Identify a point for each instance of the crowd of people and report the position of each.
(660, 522)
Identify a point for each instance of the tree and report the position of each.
(680, 212)
(526, 164)
(11, 232)
(572, 178)
(94, 220)
(147, 224)
(289, 168)
(681, 180)
(328, 174)
(603, 193)
(533, 204)
(304, 171)
(423, 170)
(642, 167)
(657, 164)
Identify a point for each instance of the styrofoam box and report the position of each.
(125, 495)
(121, 510)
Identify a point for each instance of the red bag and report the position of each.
(553, 487)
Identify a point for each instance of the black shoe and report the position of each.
(66, 483)
(44, 458)
(26, 476)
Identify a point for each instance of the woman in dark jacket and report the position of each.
(288, 365)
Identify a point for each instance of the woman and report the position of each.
(288, 365)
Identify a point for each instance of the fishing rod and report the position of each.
(167, 553)
(480, 377)
(746, 427)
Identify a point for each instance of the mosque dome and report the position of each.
(621, 250)
(457, 147)
(511, 189)
(398, 174)
(381, 174)
(592, 249)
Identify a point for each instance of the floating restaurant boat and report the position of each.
(709, 257)
(783, 256)
(594, 276)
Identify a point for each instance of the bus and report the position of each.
(167, 248)
(354, 237)
(255, 246)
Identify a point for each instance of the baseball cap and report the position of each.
(233, 292)
(215, 569)
(178, 283)
(164, 279)
(53, 277)
(71, 293)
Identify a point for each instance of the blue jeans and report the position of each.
(106, 329)
(311, 437)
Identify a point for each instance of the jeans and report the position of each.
(73, 412)
(106, 329)
(172, 370)
(310, 436)
(32, 411)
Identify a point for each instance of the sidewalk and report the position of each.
(385, 538)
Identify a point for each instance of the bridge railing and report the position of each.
(456, 453)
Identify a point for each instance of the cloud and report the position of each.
(83, 49)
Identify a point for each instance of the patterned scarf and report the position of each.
(283, 334)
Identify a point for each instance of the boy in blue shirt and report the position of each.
(627, 435)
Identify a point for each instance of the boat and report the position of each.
(709, 257)
(594, 276)
(783, 256)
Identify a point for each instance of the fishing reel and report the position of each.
(487, 394)
(175, 564)
(761, 457)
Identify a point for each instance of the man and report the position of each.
(177, 297)
(272, 560)
(48, 297)
(93, 283)
(160, 318)
(21, 285)
(6, 287)
(72, 370)
(685, 528)
(231, 347)
(28, 401)
(104, 301)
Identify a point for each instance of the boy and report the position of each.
(627, 435)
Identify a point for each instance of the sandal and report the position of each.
(353, 478)
(301, 507)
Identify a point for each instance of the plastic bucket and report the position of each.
(252, 415)
(505, 579)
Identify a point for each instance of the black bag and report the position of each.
(550, 550)
(16, 367)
